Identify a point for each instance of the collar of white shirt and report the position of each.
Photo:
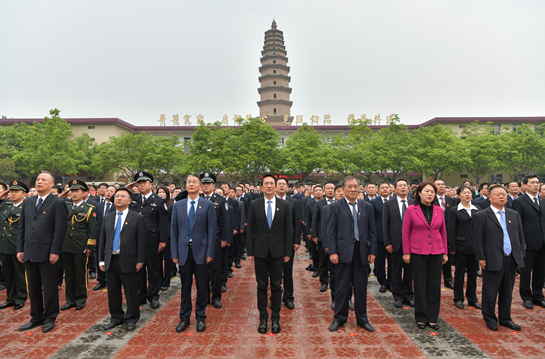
(461, 207)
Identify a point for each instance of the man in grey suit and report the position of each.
(122, 253)
(40, 237)
(499, 247)
(270, 241)
(192, 243)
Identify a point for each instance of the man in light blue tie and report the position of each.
(270, 245)
(122, 253)
(500, 248)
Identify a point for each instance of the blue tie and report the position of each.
(355, 215)
(506, 240)
(269, 213)
(40, 201)
(117, 233)
(191, 218)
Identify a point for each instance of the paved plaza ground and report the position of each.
(232, 331)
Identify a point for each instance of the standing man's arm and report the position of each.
(174, 235)
(141, 243)
(478, 240)
(288, 233)
(371, 222)
(386, 228)
(91, 231)
(315, 222)
(332, 235)
(61, 222)
(225, 224)
(296, 226)
(212, 226)
(164, 230)
(242, 216)
(522, 239)
(102, 245)
(250, 231)
(21, 234)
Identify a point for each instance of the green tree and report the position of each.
(524, 151)
(485, 150)
(7, 170)
(303, 152)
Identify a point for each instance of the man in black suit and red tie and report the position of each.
(531, 209)
(122, 253)
(40, 237)
(270, 245)
(499, 247)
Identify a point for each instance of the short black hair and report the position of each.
(269, 175)
(461, 189)
(481, 187)
(103, 184)
(399, 180)
(527, 177)
(329, 182)
(318, 185)
(338, 186)
(383, 182)
(281, 178)
(124, 189)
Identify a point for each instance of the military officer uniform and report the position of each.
(155, 212)
(14, 271)
(80, 236)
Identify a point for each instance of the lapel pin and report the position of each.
(126, 222)
(200, 207)
(509, 221)
(278, 209)
(44, 212)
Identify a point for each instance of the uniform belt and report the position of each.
(506, 255)
(190, 245)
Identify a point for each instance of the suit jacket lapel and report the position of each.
(436, 214)
(420, 215)
(492, 215)
(529, 200)
(346, 207)
(128, 219)
(44, 205)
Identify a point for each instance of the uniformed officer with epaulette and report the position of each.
(78, 243)
(155, 212)
(222, 217)
(14, 271)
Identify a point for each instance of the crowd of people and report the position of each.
(139, 236)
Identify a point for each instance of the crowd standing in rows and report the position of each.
(137, 237)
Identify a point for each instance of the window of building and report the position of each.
(517, 128)
(282, 140)
(274, 71)
(496, 178)
(496, 129)
(463, 176)
(186, 143)
(274, 61)
(90, 127)
(273, 53)
(275, 109)
(275, 82)
(274, 95)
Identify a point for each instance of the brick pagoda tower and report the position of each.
(275, 91)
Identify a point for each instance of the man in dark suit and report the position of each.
(40, 237)
(513, 189)
(318, 194)
(281, 188)
(103, 208)
(316, 229)
(370, 191)
(155, 212)
(383, 255)
(270, 244)
(122, 253)
(352, 245)
(241, 245)
(483, 193)
(392, 225)
(499, 247)
(193, 242)
(532, 212)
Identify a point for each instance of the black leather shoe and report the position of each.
(2, 287)
(154, 304)
(382, 288)
(541, 303)
(262, 327)
(67, 306)
(131, 326)
(351, 305)
(230, 275)
(479, 274)
(184, 323)
(29, 326)
(223, 288)
(333, 306)
(511, 325)
(398, 304)
(99, 286)
(475, 305)
(80, 306)
(111, 325)
(315, 274)
(48, 327)
(243, 257)
(528, 304)
(18, 306)
(310, 267)
(449, 285)
(238, 265)
(93, 275)
(367, 327)
(459, 304)
(201, 325)
(410, 303)
(335, 326)
(217, 304)
(434, 326)
(290, 305)
(275, 328)
(421, 325)
(492, 327)
(6, 305)
(323, 288)
(164, 289)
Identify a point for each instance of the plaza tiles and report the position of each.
(232, 331)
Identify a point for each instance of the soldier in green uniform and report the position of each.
(78, 243)
(14, 271)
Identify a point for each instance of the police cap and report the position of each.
(20, 185)
(143, 176)
(207, 177)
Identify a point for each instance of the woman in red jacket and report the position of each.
(425, 247)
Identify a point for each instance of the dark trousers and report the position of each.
(2, 277)
(60, 270)
(75, 278)
(187, 271)
(323, 259)
(91, 263)
(14, 276)
(214, 268)
(498, 283)
(265, 267)
(401, 278)
(288, 280)
(534, 273)
(426, 270)
(149, 277)
(352, 274)
(237, 247)
(332, 279)
(315, 255)
(166, 266)
(44, 305)
(447, 270)
(380, 265)
(115, 279)
(463, 263)
(224, 264)
(101, 276)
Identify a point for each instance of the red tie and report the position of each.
(443, 203)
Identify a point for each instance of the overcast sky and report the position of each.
(136, 60)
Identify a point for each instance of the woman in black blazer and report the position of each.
(168, 269)
(460, 243)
